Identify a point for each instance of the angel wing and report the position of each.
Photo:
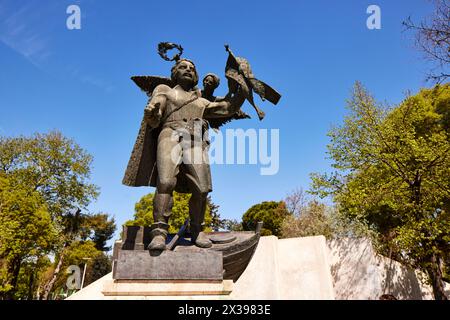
(149, 83)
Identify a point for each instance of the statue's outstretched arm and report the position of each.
(155, 106)
(225, 108)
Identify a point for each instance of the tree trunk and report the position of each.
(15, 278)
(13, 273)
(31, 285)
(49, 286)
(435, 274)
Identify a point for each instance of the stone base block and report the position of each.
(168, 265)
(166, 288)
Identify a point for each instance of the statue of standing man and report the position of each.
(171, 150)
(166, 152)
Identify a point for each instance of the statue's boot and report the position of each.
(198, 237)
(158, 235)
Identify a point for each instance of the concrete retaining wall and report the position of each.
(359, 273)
(308, 268)
(295, 268)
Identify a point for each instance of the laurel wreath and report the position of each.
(163, 47)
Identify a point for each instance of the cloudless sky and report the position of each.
(312, 52)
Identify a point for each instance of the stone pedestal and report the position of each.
(137, 273)
(168, 265)
(226, 259)
(154, 288)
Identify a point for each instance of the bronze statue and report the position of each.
(176, 116)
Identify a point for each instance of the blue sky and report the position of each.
(312, 52)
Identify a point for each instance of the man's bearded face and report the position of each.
(186, 71)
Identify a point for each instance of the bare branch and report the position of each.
(433, 39)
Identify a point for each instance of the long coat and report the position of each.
(142, 170)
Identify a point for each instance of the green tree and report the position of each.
(232, 225)
(26, 231)
(143, 215)
(99, 228)
(53, 165)
(100, 266)
(309, 217)
(58, 170)
(271, 213)
(216, 222)
(314, 221)
(82, 254)
(32, 273)
(393, 173)
(320, 219)
(88, 250)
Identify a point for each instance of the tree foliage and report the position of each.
(231, 225)
(143, 215)
(100, 266)
(26, 231)
(83, 254)
(297, 201)
(316, 218)
(44, 182)
(54, 166)
(271, 213)
(217, 223)
(99, 228)
(31, 275)
(314, 221)
(393, 173)
(310, 217)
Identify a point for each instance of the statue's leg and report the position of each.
(162, 204)
(197, 209)
(167, 162)
(199, 179)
